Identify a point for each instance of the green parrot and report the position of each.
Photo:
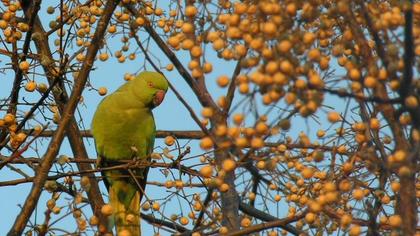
(124, 128)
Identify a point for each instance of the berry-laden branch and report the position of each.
(42, 172)
(171, 86)
(33, 7)
(282, 223)
(202, 93)
(61, 97)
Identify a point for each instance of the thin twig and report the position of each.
(35, 5)
(271, 221)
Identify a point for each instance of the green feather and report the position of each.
(124, 128)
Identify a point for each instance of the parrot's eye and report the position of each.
(150, 84)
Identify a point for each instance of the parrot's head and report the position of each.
(151, 89)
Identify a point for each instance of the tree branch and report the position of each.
(271, 222)
(33, 7)
(179, 134)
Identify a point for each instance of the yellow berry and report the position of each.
(257, 142)
(169, 140)
(158, 11)
(3, 24)
(284, 46)
(103, 56)
(243, 88)
(223, 81)
(106, 210)
(334, 117)
(190, 11)
(30, 86)
(307, 173)
(246, 222)
(139, 21)
(188, 28)
(358, 194)
(24, 66)
(156, 206)
(374, 123)
(145, 206)
(223, 230)
(50, 204)
(411, 102)
(228, 165)
(314, 54)
(206, 171)
(385, 199)
(400, 156)
(354, 230)
(286, 67)
(347, 167)
(346, 220)
(224, 187)
(207, 67)
(261, 128)
(170, 67)
(395, 221)
(112, 29)
(183, 220)
(395, 186)
(128, 76)
(354, 74)
(320, 133)
(269, 28)
(291, 9)
(261, 165)
(196, 51)
(102, 91)
(238, 118)
(206, 143)
(218, 44)
(310, 217)
(94, 220)
(207, 112)
(241, 142)
(370, 82)
(309, 37)
(9, 118)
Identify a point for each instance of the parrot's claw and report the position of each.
(134, 149)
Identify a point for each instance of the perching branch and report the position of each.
(179, 134)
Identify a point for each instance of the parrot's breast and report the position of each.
(124, 134)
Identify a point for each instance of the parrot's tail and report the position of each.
(127, 221)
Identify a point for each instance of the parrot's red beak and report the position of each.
(159, 96)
